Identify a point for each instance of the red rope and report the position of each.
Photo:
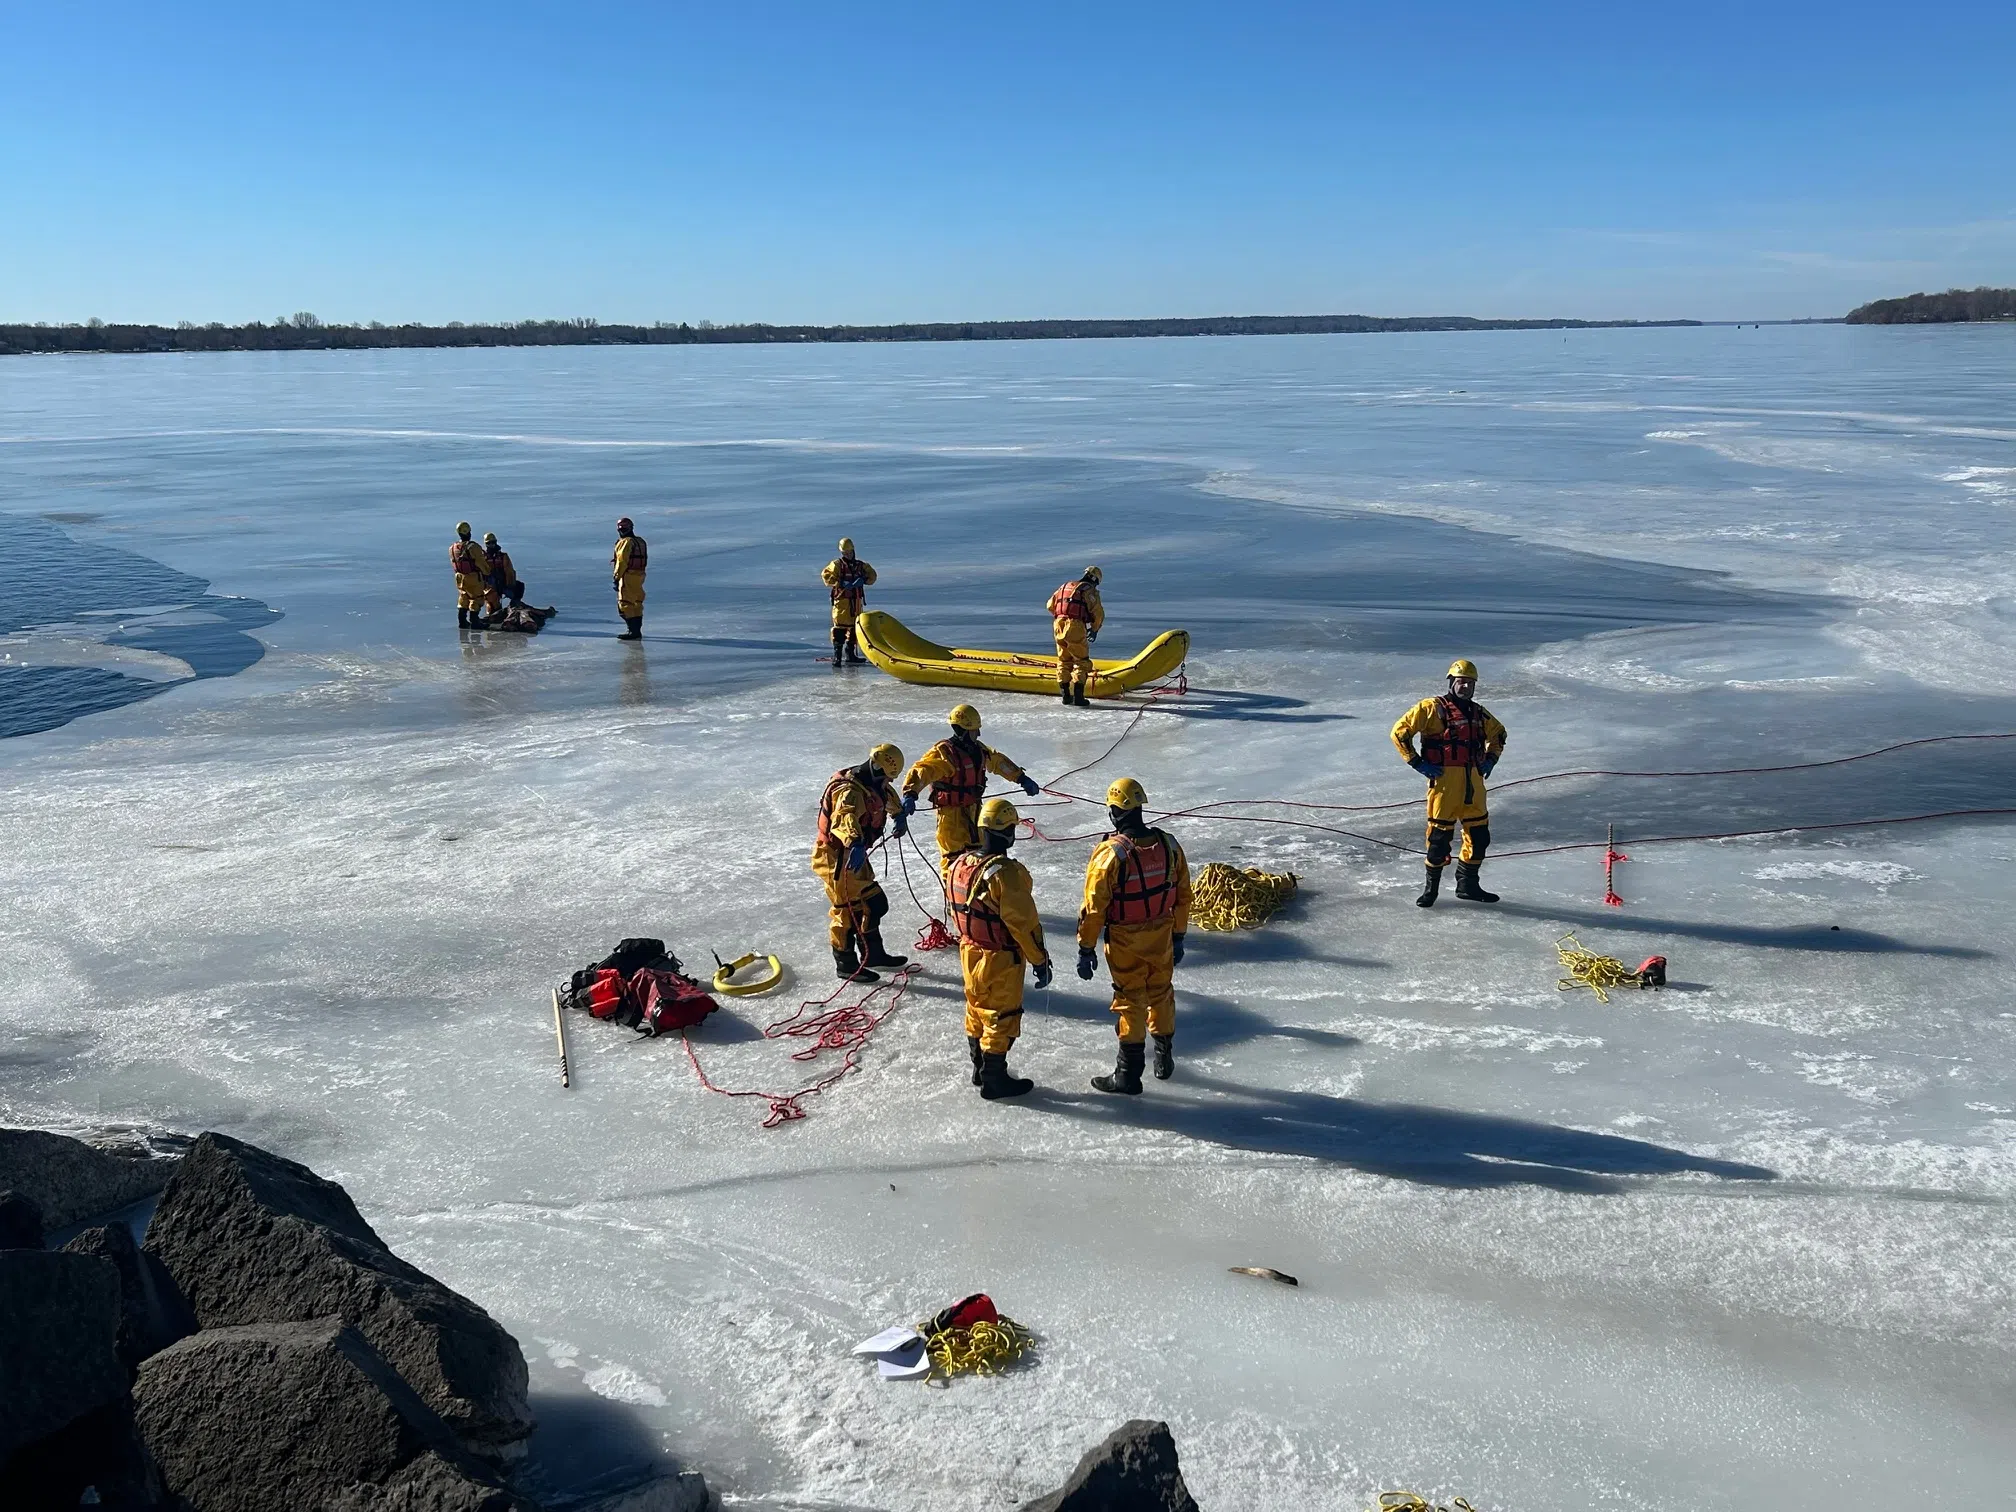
(845, 1028)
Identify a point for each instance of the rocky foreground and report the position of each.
(263, 1349)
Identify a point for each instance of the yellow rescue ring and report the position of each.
(724, 972)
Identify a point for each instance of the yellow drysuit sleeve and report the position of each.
(1494, 736)
(1012, 896)
(1098, 608)
(935, 765)
(849, 821)
(1425, 718)
(620, 561)
(1179, 865)
(1101, 873)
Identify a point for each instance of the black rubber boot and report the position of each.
(636, 630)
(839, 649)
(854, 656)
(462, 619)
(874, 954)
(1165, 1056)
(1467, 886)
(1430, 888)
(849, 966)
(973, 1049)
(996, 1083)
(1078, 697)
(1126, 1075)
(1064, 696)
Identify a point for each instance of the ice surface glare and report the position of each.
(1745, 1242)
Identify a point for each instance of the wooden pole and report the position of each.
(560, 1037)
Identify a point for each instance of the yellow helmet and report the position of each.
(965, 717)
(998, 814)
(1094, 575)
(846, 545)
(462, 528)
(489, 538)
(1463, 667)
(888, 760)
(1125, 794)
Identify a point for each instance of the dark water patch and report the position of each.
(57, 587)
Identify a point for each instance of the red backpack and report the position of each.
(664, 1000)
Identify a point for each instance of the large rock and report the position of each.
(152, 1314)
(1133, 1471)
(251, 1238)
(20, 1222)
(59, 1318)
(295, 1415)
(71, 1181)
(95, 1461)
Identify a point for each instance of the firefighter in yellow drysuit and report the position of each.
(1075, 618)
(472, 572)
(847, 579)
(1460, 744)
(501, 581)
(853, 812)
(957, 768)
(626, 567)
(1137, 893)
(994, 909)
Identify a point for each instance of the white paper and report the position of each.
(905, 1364)
(889, 1341)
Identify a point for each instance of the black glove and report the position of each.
(1176, 951)
(1043, 975)
(1087, 958)
(1030, 785)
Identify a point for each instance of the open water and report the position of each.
(293, 859)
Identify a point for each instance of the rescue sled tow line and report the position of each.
(1611, 856)
(934, 935)
(724, 972)
(845, 1028)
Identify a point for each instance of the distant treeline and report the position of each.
(1929, 309)
(306, 333)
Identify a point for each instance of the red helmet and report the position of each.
(624, 524)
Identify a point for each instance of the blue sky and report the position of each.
(870, 162)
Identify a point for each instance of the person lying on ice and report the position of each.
(853, 811)
(956, 769)
(1460, 744)
(994, 909)
(1137, 893)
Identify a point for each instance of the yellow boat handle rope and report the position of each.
(724, 971)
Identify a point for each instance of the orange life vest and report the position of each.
(853, 585)
(467, 557)
(1461, 743)
(1146, 889)
(638, 553)
(963, 789)
(878, 807)
(977, 923)
(1069, 603)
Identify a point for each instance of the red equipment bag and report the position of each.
(1652, 972)
(978, 1308)
(599, 990)
(664, 1000)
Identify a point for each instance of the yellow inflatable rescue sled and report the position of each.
(903, 653)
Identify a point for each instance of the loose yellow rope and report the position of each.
(1225, 897)
(1585, 968)
(1408, 1501)
(978, 1349)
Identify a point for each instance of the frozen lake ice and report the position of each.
(1747, 1241)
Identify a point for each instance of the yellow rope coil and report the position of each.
(1585, 968)
(1226, 897)
(978, 1349)
(1408, 1501)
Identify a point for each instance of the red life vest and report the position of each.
(1069, 603)
(853, 584)
(878, 807)
(977, 923)
(963, 789)
(639, 552)
(465, 557)
(1461, 743)
(1146, 888)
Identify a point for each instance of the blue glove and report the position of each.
(1030, 785)
(1490, 760)
(900, 823)
(1176, 955)
(1043, 974)
(857, 855)
(1425, 767)
(909, 804)
(1086, 959)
